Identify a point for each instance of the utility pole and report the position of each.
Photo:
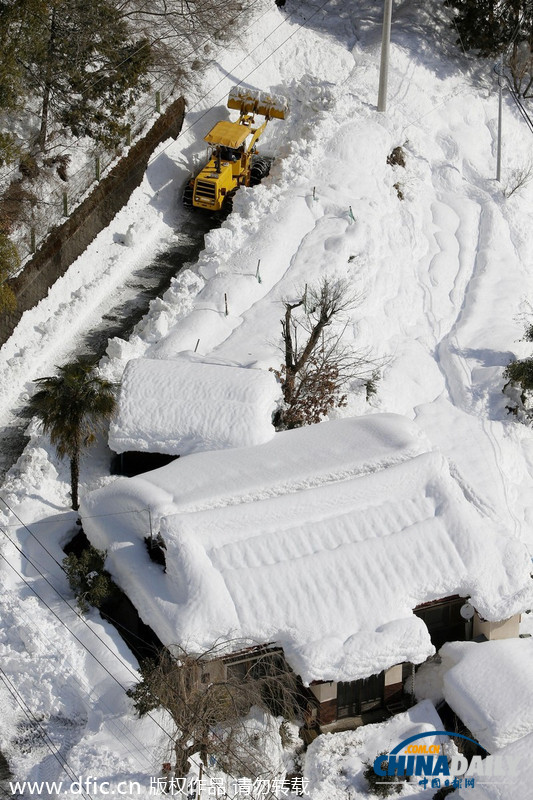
(500, 108)
(385, 48)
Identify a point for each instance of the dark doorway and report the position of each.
(444, 621)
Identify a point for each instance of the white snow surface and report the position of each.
(446, 280)
(183, 406)
(511, 767)
(490, 686)
(330, 569)
(335, 762)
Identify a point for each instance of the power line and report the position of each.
(170, 737)
(49, 743)
(299, 27)
(88, 691)
(187, 55)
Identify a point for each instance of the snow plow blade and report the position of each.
(252, 101)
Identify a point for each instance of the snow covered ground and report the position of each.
(446, 284)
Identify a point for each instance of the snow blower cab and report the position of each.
(234, 160)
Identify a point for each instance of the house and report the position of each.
(346, 544)
(173, 407)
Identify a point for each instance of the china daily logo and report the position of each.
(435, 768)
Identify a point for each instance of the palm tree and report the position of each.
(72, 407)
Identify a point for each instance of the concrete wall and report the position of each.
(67, 242)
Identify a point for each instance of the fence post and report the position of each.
(97, 167)
(128, 136)
(65, 204)
(158, 102)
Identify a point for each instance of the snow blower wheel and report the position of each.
(260, 169)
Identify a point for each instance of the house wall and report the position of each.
(507, 629)
(327, 712)
(326, 693)
(393, 675)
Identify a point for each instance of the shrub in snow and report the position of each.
(396, 158)
(382, 785)
(88, 579)
(519, 376)
(443, 792)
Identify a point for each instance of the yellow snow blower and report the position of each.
(234, 160)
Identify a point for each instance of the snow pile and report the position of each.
(490, 686)
(512, 774)
(184, 406)
(330, 570)
(335, 762)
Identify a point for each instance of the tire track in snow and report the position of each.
(452, 354)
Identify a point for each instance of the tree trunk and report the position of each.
(41, 140)
(183, 765)
(75, 479)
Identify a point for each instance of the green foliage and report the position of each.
(80, 58)
(9, 149)
(520, 372)
(499, 26)
(489, 25)
(382, 786)
(88, 579)
(371, 385)
(72, 407)
(528, 333)
(9, 263)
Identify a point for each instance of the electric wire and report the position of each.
(49, 743)
(88, 692)
(192, 52)
(62, 568)
(170, 737)
(241, 81)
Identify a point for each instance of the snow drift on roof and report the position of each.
(490, 686)
(327, 564)
(182, 406)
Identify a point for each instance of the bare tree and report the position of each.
(521, 65)
(178, 31)
(320, 365)
(208, 698)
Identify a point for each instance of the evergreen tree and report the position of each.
(493, 27)
(79, 58)
(71, 407)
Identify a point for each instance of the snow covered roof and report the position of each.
(182, 406)
(353, 524)
(490, 686)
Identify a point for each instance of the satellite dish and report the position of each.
(467, 611)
